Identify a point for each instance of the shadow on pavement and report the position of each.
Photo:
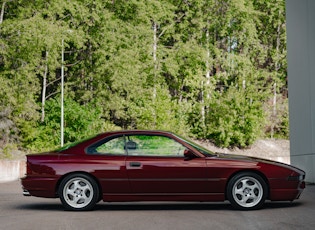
(141, 206)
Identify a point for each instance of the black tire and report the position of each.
(247, 191)
(78, 192)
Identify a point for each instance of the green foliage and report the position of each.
(235, 119)
(80, 121)
(159, 113)
(204, 68)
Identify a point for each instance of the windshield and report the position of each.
(201, 149)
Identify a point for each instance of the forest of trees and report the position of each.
(208, 69)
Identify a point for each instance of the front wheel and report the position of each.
(78, 192)
(247, 191)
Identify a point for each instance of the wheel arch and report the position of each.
(79, 172)
(263, 176)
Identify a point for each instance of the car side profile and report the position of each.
(141, 165)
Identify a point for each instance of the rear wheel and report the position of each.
(78, 192)
(247, 191)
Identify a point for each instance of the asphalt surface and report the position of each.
(19, 212)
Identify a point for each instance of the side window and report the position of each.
(112, 147)
(150, 145)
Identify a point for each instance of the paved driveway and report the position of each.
(19, 212)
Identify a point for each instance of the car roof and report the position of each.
(79, 147)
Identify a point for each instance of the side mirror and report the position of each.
(189, 155)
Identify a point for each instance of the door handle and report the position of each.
(135, 164)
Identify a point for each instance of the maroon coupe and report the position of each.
(156, 166)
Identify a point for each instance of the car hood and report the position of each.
(241, 157)
(256, 160)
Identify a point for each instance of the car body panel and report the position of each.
(156, 178)
(166, 175)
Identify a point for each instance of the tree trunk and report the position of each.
(154, 57)
(44, 88)
(205, 94)
(277, 67)
(2, 12)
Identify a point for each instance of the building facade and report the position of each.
(300, 19)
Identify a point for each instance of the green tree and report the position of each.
(81, 121)
(213, 69)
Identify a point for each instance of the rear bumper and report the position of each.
(40, 187)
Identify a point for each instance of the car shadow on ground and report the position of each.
(186, 206)
(41, 207)
(152, 206)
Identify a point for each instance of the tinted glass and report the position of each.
(150, 145)
(113, 146)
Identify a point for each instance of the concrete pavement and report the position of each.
(19, 212)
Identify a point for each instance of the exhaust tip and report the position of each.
(26, 193)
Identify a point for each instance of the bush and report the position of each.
(234, 119)
(80, 121)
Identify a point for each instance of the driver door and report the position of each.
(156, 166)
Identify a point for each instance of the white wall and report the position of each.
(300, 18)
(11, 170)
